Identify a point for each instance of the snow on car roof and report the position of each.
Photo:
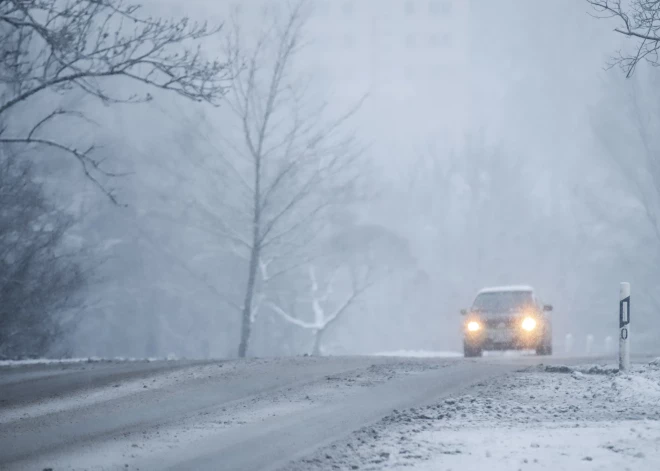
(499, 289)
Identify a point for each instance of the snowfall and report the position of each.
(539, 418)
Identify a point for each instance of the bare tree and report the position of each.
(640, 21)
(637, 176)
(637, 158)
(287, 166)
(40, 277)
(54, 46)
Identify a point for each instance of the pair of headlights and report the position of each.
(528, 324)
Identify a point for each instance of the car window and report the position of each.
(503, 301)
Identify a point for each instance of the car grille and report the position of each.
(508, 322)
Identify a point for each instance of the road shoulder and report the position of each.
(548, 417)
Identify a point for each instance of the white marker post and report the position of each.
(624, 327)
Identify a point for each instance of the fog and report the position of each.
(495, 148)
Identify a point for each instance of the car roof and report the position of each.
(503, 289)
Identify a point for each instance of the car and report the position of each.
(507, 318)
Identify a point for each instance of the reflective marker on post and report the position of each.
(624, 327)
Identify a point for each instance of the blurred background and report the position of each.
(495, 148)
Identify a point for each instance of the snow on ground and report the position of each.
(418, 354)
(509, 353)
(66, 361)
(541, 418)
(449, 354)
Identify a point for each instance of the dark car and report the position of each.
(507, 318)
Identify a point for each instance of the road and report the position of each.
(257, 414)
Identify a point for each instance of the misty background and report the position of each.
(495, 149)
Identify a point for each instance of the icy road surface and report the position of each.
(259, 414)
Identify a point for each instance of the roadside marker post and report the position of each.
(624, 327)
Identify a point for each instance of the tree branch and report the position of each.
(641, 21)
(81, 43)
(83, 157)
(292, 320)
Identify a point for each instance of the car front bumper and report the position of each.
(505, 339)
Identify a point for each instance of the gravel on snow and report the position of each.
(547, 417)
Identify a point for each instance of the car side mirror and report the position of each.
(463, 312)
(547, 307)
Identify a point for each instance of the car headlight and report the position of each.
(529, 324)
(473, 326)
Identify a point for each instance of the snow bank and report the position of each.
(450, 354)
(590, 446)
(45, 361)
(509, 353)
(559, 418)
(418, 354)
(64, 361)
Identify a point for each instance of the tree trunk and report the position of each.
(246, 315)
(318, 336)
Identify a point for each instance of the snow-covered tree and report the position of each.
(323, 302)
(361, 256)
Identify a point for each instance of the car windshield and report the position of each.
(503, 301)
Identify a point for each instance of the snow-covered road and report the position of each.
(244, 415)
